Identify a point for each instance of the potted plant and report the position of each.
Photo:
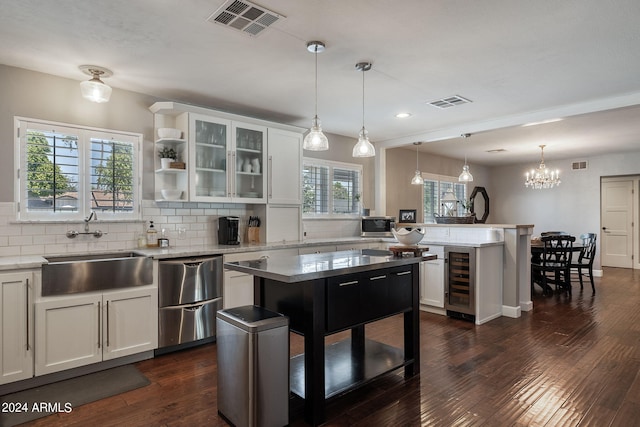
(167, 155)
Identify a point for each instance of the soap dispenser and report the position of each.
(152, 236)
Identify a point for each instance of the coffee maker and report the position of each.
(228, 230)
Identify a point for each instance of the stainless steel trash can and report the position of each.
(253, 366)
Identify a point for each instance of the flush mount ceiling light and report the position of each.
(364, 147)
(465, 176)
(403, 115)
(95, 90)
(417, 178)
(315, 139)
(542, 177)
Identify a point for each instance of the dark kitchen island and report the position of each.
(326, 293)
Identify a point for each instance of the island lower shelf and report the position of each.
(347, 367)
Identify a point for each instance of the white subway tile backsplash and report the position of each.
(198, 219)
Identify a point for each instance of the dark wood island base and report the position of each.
(323, 306)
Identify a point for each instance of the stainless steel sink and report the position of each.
(70, 274)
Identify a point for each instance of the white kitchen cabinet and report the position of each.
(228, 160)
(130, 322)
(226, 156)
(432, 282)
(78, 330)
(238, 287)
(16, 326)
(284, 167)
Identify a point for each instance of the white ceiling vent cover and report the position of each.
(579, 165)
(244, 16)
(449, 102)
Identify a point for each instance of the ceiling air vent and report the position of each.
(244, 16)
(449, 102)
(579, 165)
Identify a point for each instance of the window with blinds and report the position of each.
(434, 189)
(330, 188)
(67, 171)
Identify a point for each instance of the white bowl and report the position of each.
(171, 194)
(170, 133)
(409, 237)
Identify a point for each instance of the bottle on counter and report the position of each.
(142, 240)
(163, 241)
(152, 236)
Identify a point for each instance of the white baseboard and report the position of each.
(509, 311)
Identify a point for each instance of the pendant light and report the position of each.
(363, 148)
(315, 139)
(541, 177)
(95, 90)
(417, 178)
(465, 176)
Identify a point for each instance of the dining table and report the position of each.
(537, 249)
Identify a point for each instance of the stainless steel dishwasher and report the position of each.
(189, 295)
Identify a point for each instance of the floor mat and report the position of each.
(63, 396)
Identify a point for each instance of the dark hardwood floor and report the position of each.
(572, 361)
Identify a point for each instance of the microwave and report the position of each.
(377, 226)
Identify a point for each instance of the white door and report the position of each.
(130, 322)
(285, 167)
(16, 328)
(68, 333)
(616, 200)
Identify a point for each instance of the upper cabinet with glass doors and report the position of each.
(228, 159)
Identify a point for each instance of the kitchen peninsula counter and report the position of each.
(326, 293)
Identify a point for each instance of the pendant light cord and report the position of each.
(363, 70)
(316, 104)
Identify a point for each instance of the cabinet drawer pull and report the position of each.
(402, 273)
(378, 277)
(353, 282)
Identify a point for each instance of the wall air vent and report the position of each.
(449, 102)
(244, 16)
(579, 165)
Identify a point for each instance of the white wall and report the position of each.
(573, 207)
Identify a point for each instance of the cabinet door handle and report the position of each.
(107, 323)
(27, 307)
(99, 324)
(378, 277)
(270, 172)
(353, 282)
(403, 273)
(231, 166)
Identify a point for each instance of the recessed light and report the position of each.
(403, 115)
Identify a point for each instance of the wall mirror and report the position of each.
(480, 204)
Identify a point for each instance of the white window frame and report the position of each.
(439, 178)
(84, 133)
(331, 164)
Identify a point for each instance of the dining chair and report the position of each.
(585, 259)
(553, 266)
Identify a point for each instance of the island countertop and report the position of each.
(291, 269)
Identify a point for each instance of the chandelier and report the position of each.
(542, 177)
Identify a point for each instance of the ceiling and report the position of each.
(518, 62)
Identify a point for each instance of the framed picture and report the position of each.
(407, 215)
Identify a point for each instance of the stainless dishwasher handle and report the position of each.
(193, 264)
(354, 282)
